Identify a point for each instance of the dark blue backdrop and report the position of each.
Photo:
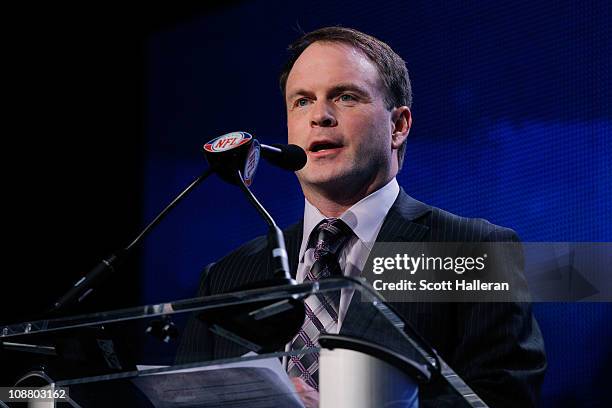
(512, 122)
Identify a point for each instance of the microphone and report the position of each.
(288, 157)
(271, 323)
(238, 151)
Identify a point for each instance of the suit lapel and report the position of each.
(402, 224)
(293, 241)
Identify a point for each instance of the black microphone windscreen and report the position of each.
(291, 158)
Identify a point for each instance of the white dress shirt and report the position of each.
(365, 218)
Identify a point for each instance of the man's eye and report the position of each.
(301, 102)
(347, 98)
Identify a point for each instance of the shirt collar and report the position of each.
(365, 217)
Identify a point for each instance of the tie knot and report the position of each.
(329, 236)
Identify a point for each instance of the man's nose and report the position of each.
(322, 116)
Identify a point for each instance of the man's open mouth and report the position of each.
(320, 146)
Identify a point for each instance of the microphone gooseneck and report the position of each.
(234, 157)
(280, 260)
(85, 286)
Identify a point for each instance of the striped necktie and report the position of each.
(327, 239)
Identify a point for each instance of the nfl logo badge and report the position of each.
(251, 163)
(227, 142)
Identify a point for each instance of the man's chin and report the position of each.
(329, 184)
(322, 179)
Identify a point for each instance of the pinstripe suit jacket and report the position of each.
(496, 348)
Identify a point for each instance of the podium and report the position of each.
(228, 350)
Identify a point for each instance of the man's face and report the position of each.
(336, 112)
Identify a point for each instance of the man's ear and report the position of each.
(401, 119)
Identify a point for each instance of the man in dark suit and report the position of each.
(348, 100)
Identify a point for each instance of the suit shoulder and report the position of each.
(259, 245)
(446, 226)
(227, 273)
(254, 247)
(254, 254)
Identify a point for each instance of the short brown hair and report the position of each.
(391, 67)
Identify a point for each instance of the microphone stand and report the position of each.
(85, 286)
(268, 325)
(276, 239)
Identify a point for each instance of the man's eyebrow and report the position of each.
(348, 87)
(298, 92)
(335, 90)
